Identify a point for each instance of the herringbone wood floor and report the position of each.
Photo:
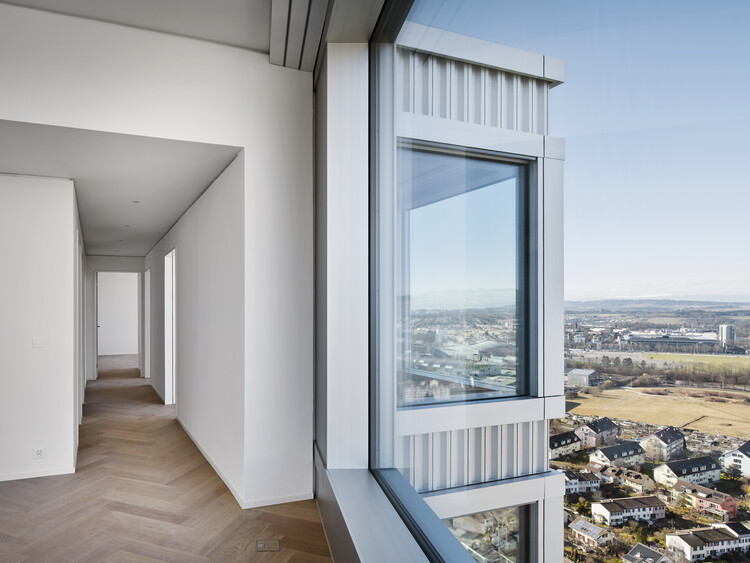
(143, 492)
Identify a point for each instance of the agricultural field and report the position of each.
(714, 412)
(709, 360)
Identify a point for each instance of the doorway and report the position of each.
(147, 323)
(170, 338)
(117, 330)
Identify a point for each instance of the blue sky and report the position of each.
(466, 242)
(655, 115)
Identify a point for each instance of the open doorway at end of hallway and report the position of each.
(170, 336)
(117, 320)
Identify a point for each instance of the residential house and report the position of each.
(600, 432)
(705, 543)
(627, 454)
(614, 512)
(698, 470)
(704, 499)
(269, 220)
(664, 445)
(643, 554)
(577, 482)
(589, 534)
(627, 478)
(564, 444)
(737, 460)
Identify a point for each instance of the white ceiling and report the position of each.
(110, 171)
(242, 23)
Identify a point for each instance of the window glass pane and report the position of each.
(459, 242)
(500, 536)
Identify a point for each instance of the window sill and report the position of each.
(359, 520)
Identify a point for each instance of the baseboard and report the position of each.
(244, 504)
(34, 474)
(275, 500)
(151, 383)
(211, 462)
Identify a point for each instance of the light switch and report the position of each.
(38, 342)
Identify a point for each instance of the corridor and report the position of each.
(143, 492)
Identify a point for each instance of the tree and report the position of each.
(616, 361)
(606, 361)
(628, 362)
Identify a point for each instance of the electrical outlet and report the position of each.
(38, 453)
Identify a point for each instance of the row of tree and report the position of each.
(693, 374)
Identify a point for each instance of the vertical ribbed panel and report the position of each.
(441, 460)
(440, 87)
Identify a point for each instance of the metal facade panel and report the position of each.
(440, 460)
(445, 88)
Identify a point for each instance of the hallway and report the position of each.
(143, 492)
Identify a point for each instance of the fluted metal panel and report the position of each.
(441, 460)
(445, 88)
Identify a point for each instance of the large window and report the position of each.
(461, 297)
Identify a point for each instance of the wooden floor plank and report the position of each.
(142, 492)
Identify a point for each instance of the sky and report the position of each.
(656, 120)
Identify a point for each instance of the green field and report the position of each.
(711, 360)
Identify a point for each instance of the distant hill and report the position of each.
(653, 305)
(464, 299)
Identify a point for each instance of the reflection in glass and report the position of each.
(494, 536)
(460, 242)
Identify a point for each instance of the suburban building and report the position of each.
(616, 511)
(698, 470)
(626, 454)
(704, 499)
(580, 378)
(269, 127)
(643, 554)
(664, 445)
(737, 460)
(627, 478)
(660, 341)
(704, 543)
(564, 444)
(589, 534)
(599, 432)
(577, 482)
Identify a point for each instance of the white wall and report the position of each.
(208, 242)
(117, 312)
(38, 243)
(342, 207)
(123, 80)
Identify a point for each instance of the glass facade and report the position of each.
(459, 427)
